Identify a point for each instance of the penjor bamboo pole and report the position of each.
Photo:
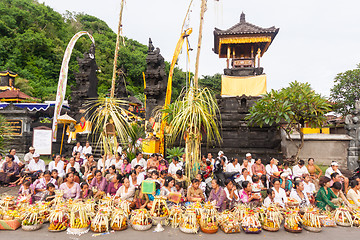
(202, 12)
(112, 93)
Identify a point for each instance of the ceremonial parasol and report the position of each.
(65, 119)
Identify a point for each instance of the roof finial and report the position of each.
(242, 17)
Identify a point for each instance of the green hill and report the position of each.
(33, 38)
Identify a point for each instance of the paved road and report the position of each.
(338, 233)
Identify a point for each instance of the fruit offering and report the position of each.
(58, 219)
(31, 217)
(251, 223)
(208, 220)
(118, 220)
(140, 217)
(229, 223)
(175, 216)
(189, 223)
(8, 202)
(343, 217)
(311, 218)
(78, 216)
(273, 219)
(159, 207)
(293, 221)
(100, 223)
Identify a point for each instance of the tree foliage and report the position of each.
(346, 91)
(290, 108)
(33, 38)
(211, 82)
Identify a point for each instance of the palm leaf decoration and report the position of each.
(195, 113)
(103, 111)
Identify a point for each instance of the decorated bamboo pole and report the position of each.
(202, 12)
(112, 93)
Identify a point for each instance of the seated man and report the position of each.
(334, 167)
(36, 164)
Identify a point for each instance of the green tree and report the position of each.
(290, 108)
(211, 82)
(346, 91)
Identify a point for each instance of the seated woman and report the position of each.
(341, 199)
(180, 177)
(194, 193)
(325, 195)
(74, 164)
(218, 195)
(125, 167)
(231, 194)
(353, 194)
(137, 176)
(9, 171)
(246, 195)
(169, 186)
(245, 176)
(112, 173)
(280, 194)
(86, 192)
(99, 182)
(269, 200)
(114, 185)
(299, 194)
(70, 188)
(40, 187)
(126, 192)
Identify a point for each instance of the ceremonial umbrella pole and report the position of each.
(65, 119)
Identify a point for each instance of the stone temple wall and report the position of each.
(238, 137)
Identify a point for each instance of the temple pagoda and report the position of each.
(243, 45)
(242, 84)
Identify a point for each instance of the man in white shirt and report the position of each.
(29, 156)
(36, 164)
(250, 159)
(77, 148)
(87, 149)
(174, 166)
(221, 155)
(299, 169)
(334, 167)
(139, 161)
(58, 165)
(233, 166)
(272, 169)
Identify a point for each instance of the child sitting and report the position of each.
(162, 165)
(208, 169)
(49, 193)
(26, 192)
(257, 185)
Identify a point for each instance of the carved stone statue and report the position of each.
(86, 83)
(156, 79)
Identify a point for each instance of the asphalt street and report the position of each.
(338, 233)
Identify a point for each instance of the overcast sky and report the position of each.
(317, 39)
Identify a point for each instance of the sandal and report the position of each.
(12, 185)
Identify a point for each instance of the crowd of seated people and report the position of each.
(225, 182)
